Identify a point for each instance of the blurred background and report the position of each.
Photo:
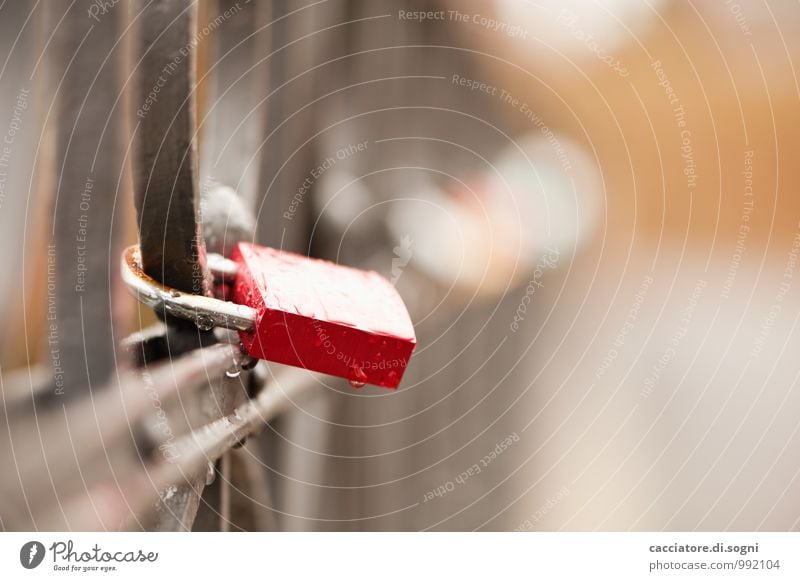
(589, 206)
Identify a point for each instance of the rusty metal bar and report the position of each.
(165, 158)
(128, 497)
(68, 448)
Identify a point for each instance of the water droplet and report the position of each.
(204, 322)
(211, 474)
(249, 363)
(357, 376)
(233, 372)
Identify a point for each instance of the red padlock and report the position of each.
(323, 316)
(298, 311)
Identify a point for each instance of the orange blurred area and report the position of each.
(718, 77)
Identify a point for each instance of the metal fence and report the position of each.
(121, 428)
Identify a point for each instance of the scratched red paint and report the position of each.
(322, 316)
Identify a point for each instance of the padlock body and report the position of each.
(322, 316)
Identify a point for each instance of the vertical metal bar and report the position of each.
(165, 158)
(21, 93)
(282, 169)
(86, 56)
(234, 120)
(165, 181)
(233, 123)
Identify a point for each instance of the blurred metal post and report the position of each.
(85, 58)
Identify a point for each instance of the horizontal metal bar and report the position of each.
(92, 434)
(126, 500)
(213, 439)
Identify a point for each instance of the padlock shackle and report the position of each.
(205, 312)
